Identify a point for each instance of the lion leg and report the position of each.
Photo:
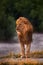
(22, 50)
(28, 49)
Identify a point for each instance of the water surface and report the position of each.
(37, 45)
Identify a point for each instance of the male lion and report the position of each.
(24, 31)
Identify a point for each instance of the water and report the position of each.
(37, 45)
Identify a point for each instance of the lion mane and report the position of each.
(25, 28)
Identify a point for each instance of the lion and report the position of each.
(24, 31)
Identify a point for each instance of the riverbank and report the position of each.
(35, 58)
(19, 61)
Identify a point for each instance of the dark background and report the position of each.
(10, 10)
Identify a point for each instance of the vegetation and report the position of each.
(36, 54)
(14, 59)
(10, 10)
(21, 64)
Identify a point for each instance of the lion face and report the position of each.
(23, 25)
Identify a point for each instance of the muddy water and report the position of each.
(37, 45)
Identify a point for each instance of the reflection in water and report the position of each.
(37, 44)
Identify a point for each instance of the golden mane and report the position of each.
(22, 20)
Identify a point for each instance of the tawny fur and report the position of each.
(24, 31)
